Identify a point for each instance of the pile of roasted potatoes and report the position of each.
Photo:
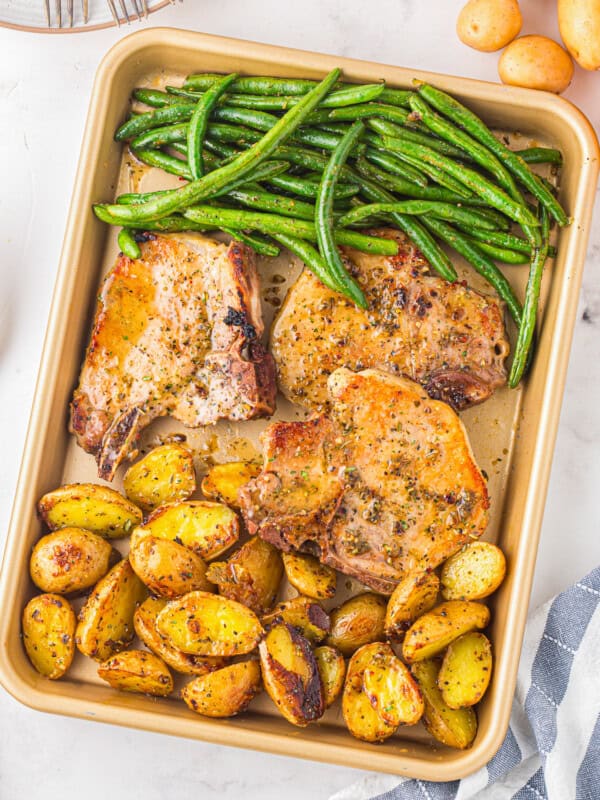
(418, 655)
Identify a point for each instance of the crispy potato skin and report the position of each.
(291, 675)
(302, 613)
(205, 624)
(536, 62)
(223, 481)
(91, 506)
(69, 560)
(413, 596)
(251, 575)
(434, 631)
(489, 25)
(455, 728)
(358, 621)
(225, 692)
(48, 626)
(165, 475)
(391, 689)
(361, 719)
(466, 670)
(144, 623)
(579, 23)
(332, 669)
(206, 528)
(137, 671)
(167, 568)
(106, 620)
(309, 576)
(474, 572)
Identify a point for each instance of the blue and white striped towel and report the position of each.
(552, 748)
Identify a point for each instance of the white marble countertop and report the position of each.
(45, 83)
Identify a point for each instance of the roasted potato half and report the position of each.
(361, 718)
(434, 631)
(452, 727)
(165, 475)
(358, 621)
(223, 481)
(251, 575)
(225, 692)
(137, 671)
(474, 572)
(332, 669)
(291, 675)
(91, 506)
(48, 626)
(144, 622)
(206, 528)
(391, 689)
(413, 596)
(70, 560)
(304, 614)
(208, 625)
(106, 620)
(167, 568)
(309, 576)
(466, 670)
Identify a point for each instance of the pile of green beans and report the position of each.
(309, 165)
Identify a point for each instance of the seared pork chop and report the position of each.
(447, 336)
(383, 485)
(176, 332)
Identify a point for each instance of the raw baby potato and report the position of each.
(361, 718)
(144, 623)
(391, 689)
(309, 576)
(137, 671)
(225, 692)
(413, 596)
(358, 621)
(466, 670)
(489, 25)
(474, 572)
(106, 620)
(536, 62)
(251, 575)
(206, 528)
(70, 560)
(291, 675)
(167, 568)
(579, 24)
(165, 475)
(208, 625)
(452, 727)
(434, 631)
(304, 614)
(48, 626)
(332, 669)
(91, 506)
(223, 481)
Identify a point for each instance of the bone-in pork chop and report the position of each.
(447, 336)
(176, 332)
(383, 485)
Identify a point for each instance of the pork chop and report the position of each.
(447, 336)
(177, 331)
(383, 485)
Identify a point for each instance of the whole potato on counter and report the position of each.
(579, 24)
(48, 626)
(167, 568)
(225, 692)
(70, 560)
(166, 474)
(536, 62)
(489, 25)
(137, 671)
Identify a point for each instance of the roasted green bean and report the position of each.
(199, 124)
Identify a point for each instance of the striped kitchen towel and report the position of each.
(552, 748)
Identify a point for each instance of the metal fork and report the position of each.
(139, 7)
(59, 13)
